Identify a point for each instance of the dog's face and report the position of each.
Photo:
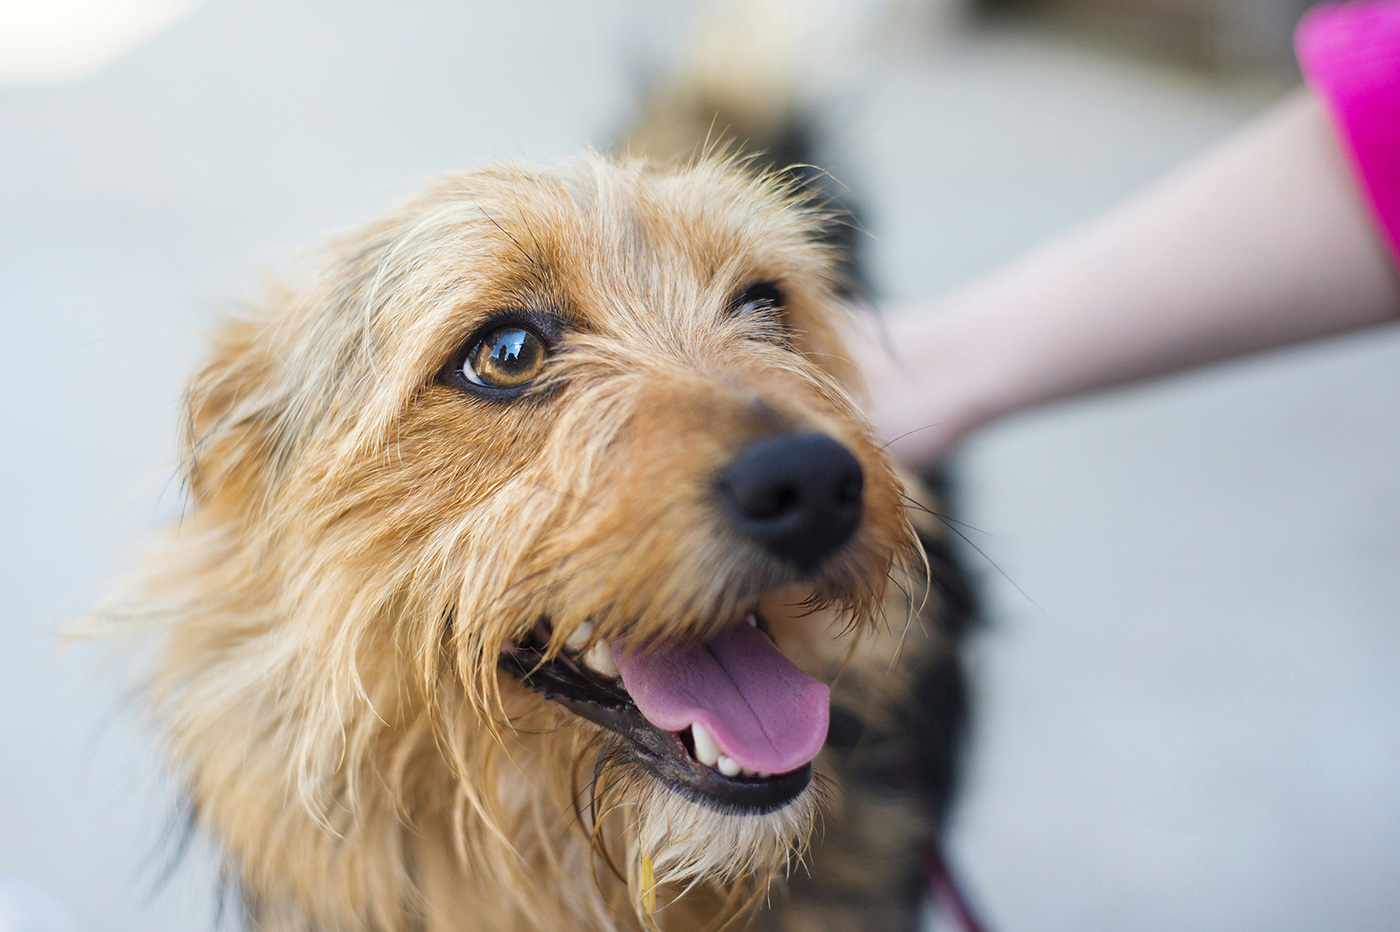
(552, 455)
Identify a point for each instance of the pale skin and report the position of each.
(1262, 242)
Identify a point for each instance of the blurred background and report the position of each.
(1188, 707)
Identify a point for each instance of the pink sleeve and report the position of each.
(1350, 56)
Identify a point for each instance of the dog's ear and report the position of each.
(233, 408)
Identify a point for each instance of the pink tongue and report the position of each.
(763, 711)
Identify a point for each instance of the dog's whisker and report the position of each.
(909, 433)
(946, 518)
(988, 559)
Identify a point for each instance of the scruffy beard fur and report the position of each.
(364, 537)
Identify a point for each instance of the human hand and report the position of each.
(924, 394)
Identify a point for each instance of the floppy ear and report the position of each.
(233, 407)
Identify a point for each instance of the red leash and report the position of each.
(945, 892)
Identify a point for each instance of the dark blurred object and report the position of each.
(1210, 34)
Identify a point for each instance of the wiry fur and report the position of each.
(363, 539)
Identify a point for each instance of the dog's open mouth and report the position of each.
(729, 722)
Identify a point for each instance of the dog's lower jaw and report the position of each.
(688, 842)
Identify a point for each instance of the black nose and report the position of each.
(796, 495)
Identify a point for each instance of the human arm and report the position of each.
(1262, 242)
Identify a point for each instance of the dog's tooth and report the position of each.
(599, 657)
(728, 766)
(706, 751)
(762, 774)
(580, 636)
(748, 772)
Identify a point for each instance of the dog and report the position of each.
(540, 570)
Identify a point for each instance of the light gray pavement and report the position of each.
(1189, 711)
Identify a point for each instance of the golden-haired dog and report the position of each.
(539, 572)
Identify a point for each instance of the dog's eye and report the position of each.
(507, 357)
(760, 296)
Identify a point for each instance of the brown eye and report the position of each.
(760, 296)
(507, 357)
(762, 305)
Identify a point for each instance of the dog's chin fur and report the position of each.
(690, 843)
(364, 538)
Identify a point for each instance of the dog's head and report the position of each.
(535, 428)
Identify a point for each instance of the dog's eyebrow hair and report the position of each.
(537, 269)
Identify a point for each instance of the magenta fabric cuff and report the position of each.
(1350, 56)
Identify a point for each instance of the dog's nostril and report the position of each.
(850, 487)
(766, 503)
(796, 495)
